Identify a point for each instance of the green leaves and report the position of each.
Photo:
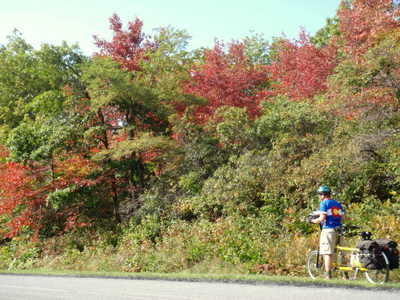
(46, 104)
(39, 140)
(108, 84)
(111, 87)
(326, 34)
(141, 144)
(233, 129)
(38, 76)
(60, 198)
(23, 141)
(167, 65)
(283, 117)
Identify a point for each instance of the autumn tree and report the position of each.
(371, 85)
(133, 87)
(21, 205)
(367, 79)
(227, 78)
(299, 69)
(362, 22)
(127, 47)
(39, 131)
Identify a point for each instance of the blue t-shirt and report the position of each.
(334, 212)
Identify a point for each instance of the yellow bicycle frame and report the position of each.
(347, 249)
(349, 268)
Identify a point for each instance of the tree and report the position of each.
(166, 66)
(131, 98)
(127, 120)
(368, 82)
(257, 49)
(32, 81)
(21, 204)
(127, 47)
(38, 88)
(299, 69)
(361, 22)
(327, 34)
(227, 79)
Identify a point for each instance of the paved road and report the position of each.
(14, 287)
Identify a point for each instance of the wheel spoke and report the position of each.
(381, 275)
(315, 265)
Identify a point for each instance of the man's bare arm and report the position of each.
(320, 219)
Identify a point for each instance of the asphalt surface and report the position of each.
(19, 287)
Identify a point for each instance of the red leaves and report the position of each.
(24, 190)
(363, 21)
(126, 47)
(368, 78)
(148, 156)
(227, 79)
(300, 69)
(17, 191)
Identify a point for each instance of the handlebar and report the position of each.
(345, 229)
(352, 230)
(350, 227)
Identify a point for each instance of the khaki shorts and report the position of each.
(327, 241)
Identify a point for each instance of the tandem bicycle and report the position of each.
(348, 261)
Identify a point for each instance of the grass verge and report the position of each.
(228, 278)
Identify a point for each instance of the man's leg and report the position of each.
(327, 249)
(328, 259)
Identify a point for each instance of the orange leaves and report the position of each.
(13, 184)
(72, 222)
(148, 156)
(24, 190)
(3, 152)
(74, 170)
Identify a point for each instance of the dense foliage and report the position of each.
(152, 157)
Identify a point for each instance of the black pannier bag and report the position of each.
(370, 254)
(389, 247)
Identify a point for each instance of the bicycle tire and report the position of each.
(314, 269)
(379, 276)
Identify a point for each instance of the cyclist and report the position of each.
(330, 218)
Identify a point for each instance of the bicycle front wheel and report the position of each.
(380, 275)
(315, 265)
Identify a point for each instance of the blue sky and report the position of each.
(76, 21)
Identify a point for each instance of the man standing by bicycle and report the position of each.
(330, 218)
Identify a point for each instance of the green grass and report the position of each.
(249, 279)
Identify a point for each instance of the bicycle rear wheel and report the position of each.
(381, 275)
(315, 265)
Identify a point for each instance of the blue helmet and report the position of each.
(323, 189)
